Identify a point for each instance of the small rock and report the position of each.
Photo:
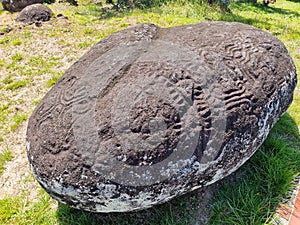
(6, 30)
(72, 2)
(38, 24)
(62, 16)
(36, 13)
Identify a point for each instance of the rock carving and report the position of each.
(149, 114)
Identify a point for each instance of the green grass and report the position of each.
(7, 80)
(53, 80)
(176, 212)
(248, 197)
(88, 31)
(267, 178)
(20, 211)
(17, 84)
(17, 42)
(17, 57)
(5, 156)
(84, 44)
(18, 119)
(2, 62)
(4, 41)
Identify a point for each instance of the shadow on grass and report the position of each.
(265, 24)
(104, 13)
(120, 10)
(242, 4)
(183, 210)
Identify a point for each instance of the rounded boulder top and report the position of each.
(34, 13)
(152, 113)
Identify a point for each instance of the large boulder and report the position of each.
(149, 114)
(18, 5)
(34, 13)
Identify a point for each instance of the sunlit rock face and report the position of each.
(149, 114)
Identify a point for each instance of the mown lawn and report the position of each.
(32, 59)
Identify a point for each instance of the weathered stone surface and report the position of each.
(149, 114)
(34, 13)
(18, 5)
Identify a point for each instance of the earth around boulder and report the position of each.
(152, 113)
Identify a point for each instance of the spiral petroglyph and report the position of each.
(149, 114)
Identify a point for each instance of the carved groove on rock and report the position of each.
(149, 114)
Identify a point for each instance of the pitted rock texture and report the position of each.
(34, 13)
(18, 5)
(149, 114)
